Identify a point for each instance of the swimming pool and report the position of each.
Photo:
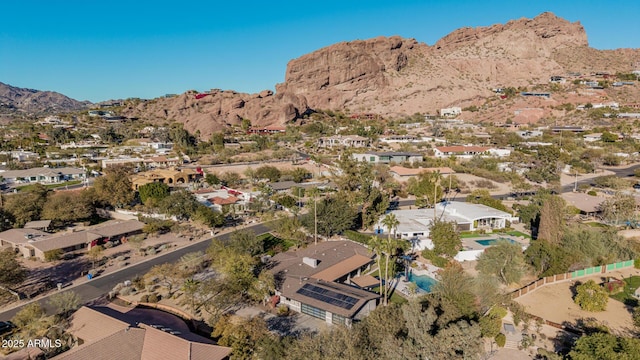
(424, 282)
(489, 242)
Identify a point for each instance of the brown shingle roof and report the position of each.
(345, 266)
(20, 236)
(61, 241)
(329, 253)
(293, 284)
(118, 228)
(365, 281)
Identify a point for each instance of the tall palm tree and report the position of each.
(391, 222)
(376, 244)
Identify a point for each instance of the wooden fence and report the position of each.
(570, 276)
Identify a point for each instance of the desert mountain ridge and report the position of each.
(30, 101)
(394, 76)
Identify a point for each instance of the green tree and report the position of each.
(445, 237)
(299, 174)
(181, 204)
(154, 192)
(208, 216)
(25, 207)
(289, 228)
(605, 346)
(591, 296)
(190, 288)
(170, 275)
(114, 187)
(262, 287)
(268, 172)
(65, 302)
(246, 242)
(94, 254)
(66, 207)
(482, 196)
(334, 215)
(609, 137)
(212, 179)
(504, 260)
(455, 288)
(12, 272)
(425, 188)
(620, 207)
(552, 216)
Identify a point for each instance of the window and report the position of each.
(313, 311)
(338, 320)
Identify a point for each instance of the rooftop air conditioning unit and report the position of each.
(310, 261)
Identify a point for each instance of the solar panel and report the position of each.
(327, 296)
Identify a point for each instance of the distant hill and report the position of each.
(398, 76)
(15, 100)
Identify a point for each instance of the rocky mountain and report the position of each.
(29, 101)
(393, 76)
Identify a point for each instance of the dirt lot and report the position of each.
(554, 303)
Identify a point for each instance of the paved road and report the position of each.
(101, 285)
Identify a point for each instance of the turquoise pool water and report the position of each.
(489, 242)
(424, 282)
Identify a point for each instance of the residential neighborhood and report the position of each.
(476, 198)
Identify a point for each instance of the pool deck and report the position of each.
(471, 244)
(402, 286)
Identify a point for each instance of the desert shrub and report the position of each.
(498, 312)
(591, 297)
(108, 245)
(283, 310)
(434, 258)
(636, 263)
(139, 282)
(592, 193)
(144, 298)
(151, 251)
(52, 255)
(153, 298)
(614, 286)
(125, 291)
(123, 264)
(120, 258)
(501, 339)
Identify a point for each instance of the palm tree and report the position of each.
(391, 222)
(376, 244)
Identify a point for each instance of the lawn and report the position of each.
(626, 295)
(273, 245)
(395, 298)
(49, 186)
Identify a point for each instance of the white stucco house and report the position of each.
(415, 224)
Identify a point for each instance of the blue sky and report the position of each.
(98, 50)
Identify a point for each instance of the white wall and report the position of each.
(468, 255)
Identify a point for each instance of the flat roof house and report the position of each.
(43, 175)
(460, 151)
(468, 217)
(343, 141)
(388, 157)
(322, 281)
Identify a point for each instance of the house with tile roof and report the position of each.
(326, 281)
(101, 336)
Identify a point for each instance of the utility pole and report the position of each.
(315, 219)
(575, 184)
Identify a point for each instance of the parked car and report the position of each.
(6, 326)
